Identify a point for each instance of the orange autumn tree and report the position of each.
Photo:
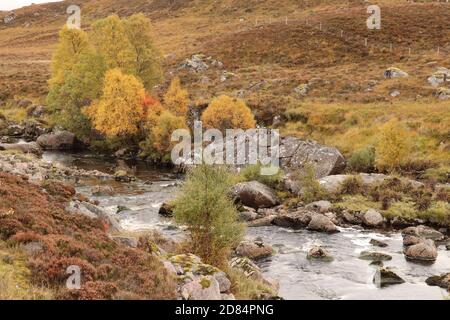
(176, 99)
(119, 110)
(227, 113)
(152, 110)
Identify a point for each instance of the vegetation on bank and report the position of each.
(408, 137)
(103, 83)
(204, 205)
(52, 239)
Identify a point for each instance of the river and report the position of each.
(346, 277)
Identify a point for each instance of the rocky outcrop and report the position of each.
(319, 253)
(254, 249)
(29, 147)
(439, 77)
(443, 93)
(92, 211)
(395, 73)
(254, 194)
(296, 220)
(59, 140)
(197, 280)
(295, 153)
(37, 169)
(322, 223)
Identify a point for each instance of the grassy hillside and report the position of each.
(268, 49)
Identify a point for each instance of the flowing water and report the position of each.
(346, 277)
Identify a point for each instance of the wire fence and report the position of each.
(353, 40)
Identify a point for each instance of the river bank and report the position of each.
(136, 207)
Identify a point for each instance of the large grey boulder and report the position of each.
(59, 140)
(322, 223)
(255, 194)
(295, 153)
(202, 288)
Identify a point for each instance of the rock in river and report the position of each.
(254, 249)
(385, 277)
(319, 253)
(322, 223)
(374, 256)
(424, 251)
(255, 194)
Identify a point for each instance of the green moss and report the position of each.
(356, 203)
(439, 212)
(245, 288)
(205, 282)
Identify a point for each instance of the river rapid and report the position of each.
(346, 277)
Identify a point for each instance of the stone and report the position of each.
(223, 281)
(128, 241)
(248, 215)
(396, 73)
(372, 218)
(378, 243)
(302, 89)
(374, 256)
(195, 64)
(101, 191)
(58, 140)
(322, 223)
(439, 77)
(394, 93)
(294, 153)
(254, 249)
(33, 248)
(319, 253)
(166, 210)
(262, 222)
(123, 176)
(321, 206)
(255, 194)
(386, 277)
(29, 147)
(443, 93)
(24, 103)
(202, 288)
(411, 240)
(425, 251)
(295, 220)
(424, 232)
(442, 281)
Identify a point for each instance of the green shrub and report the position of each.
(440, 174)
(205, 206)
(438, 212)
(402, 209)
(352, 185)
(245, 288)
(310, 188)
(362, 160)
(253, 172)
